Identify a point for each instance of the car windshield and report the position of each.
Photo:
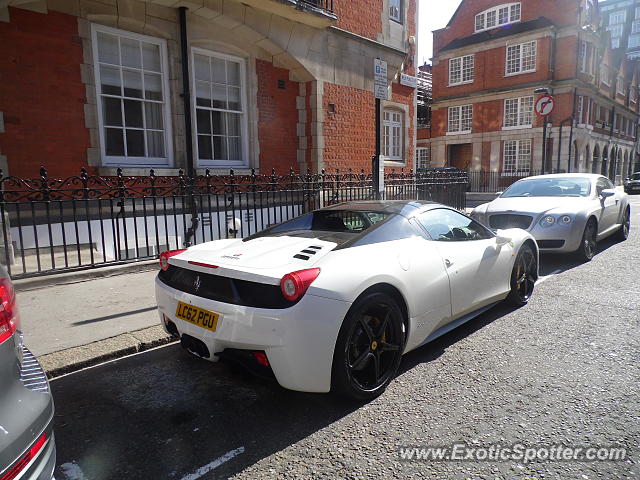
(635, 176)
(549, 187)
(346, 221)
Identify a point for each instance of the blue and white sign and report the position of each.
(380, 85)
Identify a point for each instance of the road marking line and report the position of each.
(547, 277)
(213, 465)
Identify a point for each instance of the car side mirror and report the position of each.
(607, 192)
(499, 193)
(502, 240)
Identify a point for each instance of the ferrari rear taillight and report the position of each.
(295, 284)
(24, 461)
(165, 256)
(9, 318)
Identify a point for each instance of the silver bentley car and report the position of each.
(564, 212)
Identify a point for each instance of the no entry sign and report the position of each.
(545, 105)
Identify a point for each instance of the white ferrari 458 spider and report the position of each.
(332, 299)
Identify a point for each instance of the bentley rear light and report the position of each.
(9, 318)
(165, 256)
(295, 284)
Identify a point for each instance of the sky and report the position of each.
(433, 14)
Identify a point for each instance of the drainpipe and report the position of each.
(186, 92)
(188, 133)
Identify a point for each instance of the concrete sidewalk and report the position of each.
(74, 325)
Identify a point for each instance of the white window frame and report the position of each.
(144, 162)
(395, 10)
(615, 30)
(519, 159)
(635, 26)
(422, 158)
(244, 124)
(513, 15)
(634, 41)
(580, 110)
(582, 56)
(391, 141)
(520, 60)
(459, 122)
(523, 112)
(617, 17)
(465, 68)
(604, 74)
(620, 86)
(615, 43)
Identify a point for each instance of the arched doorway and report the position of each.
(605, 161)
(576, 158)
(587, 160)
(596, 159)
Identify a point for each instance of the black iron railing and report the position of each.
(481, 181)
(51, 225)
(326, 5)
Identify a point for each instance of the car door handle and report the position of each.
(448, 262)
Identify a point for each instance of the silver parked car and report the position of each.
(564, 212)
(27, 445)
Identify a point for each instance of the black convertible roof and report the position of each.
(400, 207)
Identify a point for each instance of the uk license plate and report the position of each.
(198, 316)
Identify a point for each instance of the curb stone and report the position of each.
(76, 358)
(63, 278)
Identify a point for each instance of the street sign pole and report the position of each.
(544, 145)
(543, 107)
(380, 91)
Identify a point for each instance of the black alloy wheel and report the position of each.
(588, 246)
(523, 277)
(623, 233)
(369, 347)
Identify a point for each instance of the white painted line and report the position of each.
(215, 464)
(547, 277)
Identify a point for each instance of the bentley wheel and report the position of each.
(369, 348)
(523, 277)
(623, 233)
(587, 248)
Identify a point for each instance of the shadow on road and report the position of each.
(164, 414)
(558, 263)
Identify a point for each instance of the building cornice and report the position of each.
(558, 87)
(360, 38)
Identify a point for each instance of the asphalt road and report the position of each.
(562, 370)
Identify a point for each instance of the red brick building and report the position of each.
(273, 84)
(487, 63)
